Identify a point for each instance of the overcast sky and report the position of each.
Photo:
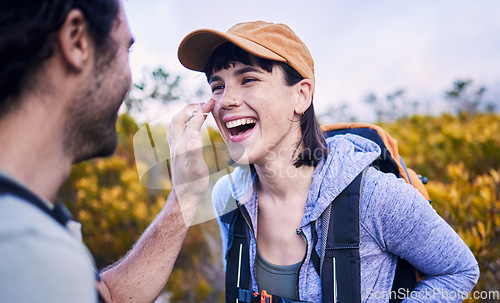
(358, 46)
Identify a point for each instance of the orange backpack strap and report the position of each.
(392, 146)
(417, 183)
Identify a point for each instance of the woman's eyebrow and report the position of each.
(241, 71)
(246, 69)
(214, 78)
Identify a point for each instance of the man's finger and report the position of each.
(194, 146)
(178, 125)
(196, 163)
(199, 117)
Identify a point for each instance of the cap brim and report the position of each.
(197, 47)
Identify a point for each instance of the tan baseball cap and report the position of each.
(274, 41)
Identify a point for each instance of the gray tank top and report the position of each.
(279, 280)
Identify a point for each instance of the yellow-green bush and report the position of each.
(461, 158)
(429, 144)
(472, 208)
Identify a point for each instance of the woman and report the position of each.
(262, 80)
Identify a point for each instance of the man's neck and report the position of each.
(32, 150)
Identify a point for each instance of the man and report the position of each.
(64, 72)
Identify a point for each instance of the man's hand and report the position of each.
(143, 273)
(190, 174)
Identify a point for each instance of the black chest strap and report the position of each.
(339, 266)
(237, 254)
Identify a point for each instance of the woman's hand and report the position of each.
(189, 171)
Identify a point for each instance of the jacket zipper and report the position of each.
(300, 232)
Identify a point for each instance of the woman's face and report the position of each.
(255, 112)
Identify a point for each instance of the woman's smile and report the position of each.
(239, 128)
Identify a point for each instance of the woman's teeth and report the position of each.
(239, 122)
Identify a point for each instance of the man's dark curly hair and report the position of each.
(25, 31)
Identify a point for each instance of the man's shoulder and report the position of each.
(20, 216)
(23, 224)
(41, 255)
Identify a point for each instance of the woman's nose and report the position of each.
(230, 98)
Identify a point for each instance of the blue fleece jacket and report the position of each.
(395, 220)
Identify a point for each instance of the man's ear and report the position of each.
(304, 90)
(75, 41)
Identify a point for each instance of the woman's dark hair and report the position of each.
(313, 143)
(25, 36)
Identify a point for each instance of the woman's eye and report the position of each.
(217, 87)
(248, 80)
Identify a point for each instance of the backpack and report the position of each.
(339, 262)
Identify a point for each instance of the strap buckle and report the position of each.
(263, 297)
